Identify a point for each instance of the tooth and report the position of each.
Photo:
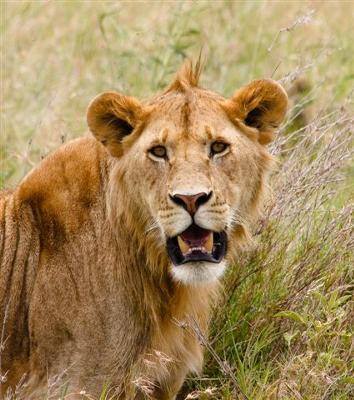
(182, 245)
(209, 243)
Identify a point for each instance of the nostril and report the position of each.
(191, 202)
(178, 200)
(204, 198)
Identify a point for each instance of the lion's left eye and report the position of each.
(158, 151)
(218, 147)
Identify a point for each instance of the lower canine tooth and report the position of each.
(209, 243)
(182, 245)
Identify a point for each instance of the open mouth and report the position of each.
(197, 244)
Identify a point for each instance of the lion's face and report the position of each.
(194, 177)
(195, 164)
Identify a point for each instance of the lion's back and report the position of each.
(51, 201)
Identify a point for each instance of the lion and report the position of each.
(113, 247)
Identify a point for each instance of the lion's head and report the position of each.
(193, 164)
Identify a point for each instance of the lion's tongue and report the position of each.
(195, 238)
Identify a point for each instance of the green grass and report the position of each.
(284, 329)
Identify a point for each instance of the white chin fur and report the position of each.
(198, 273)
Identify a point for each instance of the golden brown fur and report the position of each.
(86, 288)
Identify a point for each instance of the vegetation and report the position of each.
(284, 329)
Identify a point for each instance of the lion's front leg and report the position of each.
(166, 389)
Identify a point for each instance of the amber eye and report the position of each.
(158, 151)
(218, 147)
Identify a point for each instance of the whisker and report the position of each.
(153, 226)
(237, 219)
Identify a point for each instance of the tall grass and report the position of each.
(284, 329)
(287, 321)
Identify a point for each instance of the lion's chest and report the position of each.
(174, 352)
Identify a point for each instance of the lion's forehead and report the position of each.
(187, 112)
(201, 128)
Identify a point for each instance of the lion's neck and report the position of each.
(176, 316)
(144, 262)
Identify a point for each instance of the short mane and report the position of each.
(187, 76)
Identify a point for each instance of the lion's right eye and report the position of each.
(158, 151)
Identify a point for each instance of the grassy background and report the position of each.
(285, 329)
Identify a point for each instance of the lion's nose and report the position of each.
(191, 202)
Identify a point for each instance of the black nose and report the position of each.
(191, 202)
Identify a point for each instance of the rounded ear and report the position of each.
(261, 106)
(112, 116)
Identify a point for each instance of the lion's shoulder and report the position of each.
(67, 182)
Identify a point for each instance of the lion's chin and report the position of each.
(198, 273)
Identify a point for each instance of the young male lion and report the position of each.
(112, 247)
